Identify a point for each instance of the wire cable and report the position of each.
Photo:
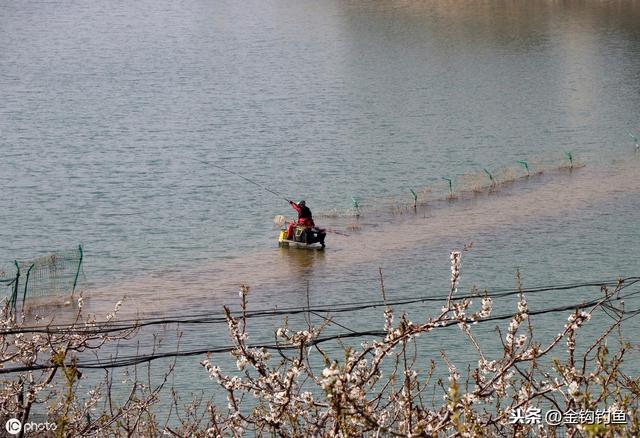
(131, 360)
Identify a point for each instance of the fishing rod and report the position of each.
(279, 195)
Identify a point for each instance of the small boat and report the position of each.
(303, 237)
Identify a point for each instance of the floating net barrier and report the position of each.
(451, 188)
(56, 276)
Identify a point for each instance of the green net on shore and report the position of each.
(8, 283)
(58, 274)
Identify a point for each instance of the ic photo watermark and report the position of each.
(15, 426)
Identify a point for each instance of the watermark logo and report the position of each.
(554, 417)
(13, 426)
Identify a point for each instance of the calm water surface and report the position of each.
(105, 108)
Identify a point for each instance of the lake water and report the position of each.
(106, 108)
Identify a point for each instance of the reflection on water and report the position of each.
(301, 262)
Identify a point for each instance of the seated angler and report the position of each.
(305, 218)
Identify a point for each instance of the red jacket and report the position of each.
(304, 215)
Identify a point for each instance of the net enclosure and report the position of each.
(57, 274)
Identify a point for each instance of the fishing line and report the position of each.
(338, 232)
(279, 195)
